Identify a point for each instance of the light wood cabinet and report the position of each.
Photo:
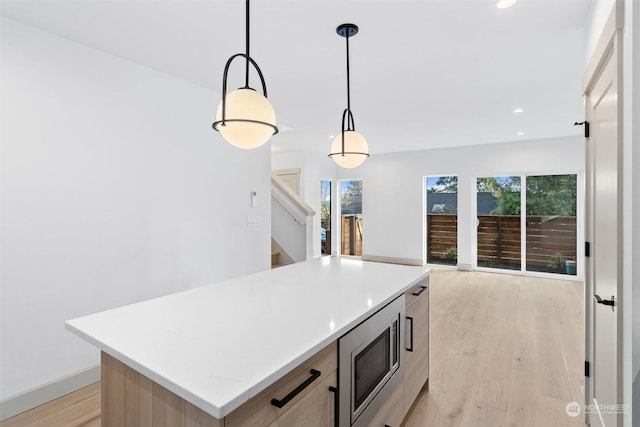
(314, 403)
(316, 409)
(391, 413)
(131, 399)
(416, 372)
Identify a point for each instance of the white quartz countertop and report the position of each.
(218, 345)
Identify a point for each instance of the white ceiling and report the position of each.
(424, 73)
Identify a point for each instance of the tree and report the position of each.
(351, 201)
(508, 203)
(552, 195)
(325, 201)
(506, 189)
(445, 184)
(546, 195)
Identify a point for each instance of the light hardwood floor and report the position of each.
(80, 408)
(505, 351)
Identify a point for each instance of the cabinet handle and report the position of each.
(422, 290)
(410, 348)
(336, 421)
(280, 403)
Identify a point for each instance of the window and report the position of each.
(351, 217)
(441, 220)
(325, 217)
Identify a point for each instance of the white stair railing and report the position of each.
(290, 224)
(290, 201)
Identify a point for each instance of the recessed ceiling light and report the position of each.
(503, 4)
(520, 133)
(518, 110)
(331, 136)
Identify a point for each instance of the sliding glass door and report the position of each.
(498, 222)
(543, 239)
(551, 230)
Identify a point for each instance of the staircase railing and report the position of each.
(290, 224)
(290, 201)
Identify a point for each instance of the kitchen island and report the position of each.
(211, 349)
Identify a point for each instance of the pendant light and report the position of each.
(245, 118)
(349, 149)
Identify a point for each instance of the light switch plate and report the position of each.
(253, 221)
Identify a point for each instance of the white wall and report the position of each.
(393, 188)
(596, 18)
(290, 236)
(314, 167)
(114, 189)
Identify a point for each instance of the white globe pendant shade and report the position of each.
(250, 107)
(356, 149)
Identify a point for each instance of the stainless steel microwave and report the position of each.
(371, 364)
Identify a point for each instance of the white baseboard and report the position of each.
(464, 267)
(21, 402)
(635, 396)
(392, 260)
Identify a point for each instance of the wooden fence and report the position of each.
(442, 236)
(548, 237)
(499, 243)
(499, 240)
(351, 242)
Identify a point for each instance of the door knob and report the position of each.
(610, 302)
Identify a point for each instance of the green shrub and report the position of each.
(451, 254)
(557, 263)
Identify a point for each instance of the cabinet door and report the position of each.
(416, 365)
(390, 414)
(316, 409)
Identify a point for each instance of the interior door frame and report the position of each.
(609, 45)
(293, 172)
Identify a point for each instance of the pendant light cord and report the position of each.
(348, 79)
(357, 144)
(246, 81)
